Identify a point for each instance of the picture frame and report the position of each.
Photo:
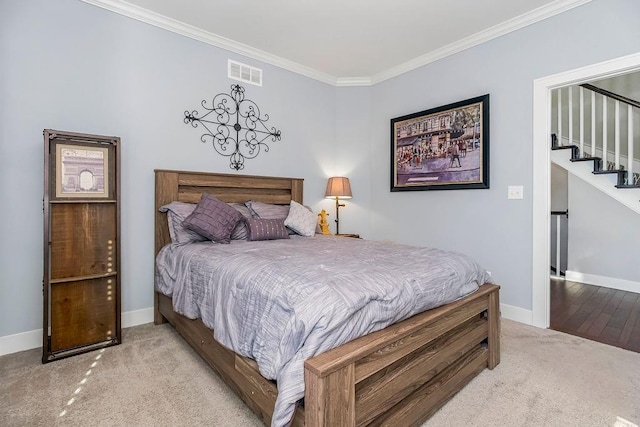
(82, 171)
(442, 148)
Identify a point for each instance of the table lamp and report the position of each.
(338, 187)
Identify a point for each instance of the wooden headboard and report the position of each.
(188, 187)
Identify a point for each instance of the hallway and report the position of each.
(601, 314)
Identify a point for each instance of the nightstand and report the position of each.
(355, 236)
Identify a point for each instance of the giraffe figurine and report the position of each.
(324, 224)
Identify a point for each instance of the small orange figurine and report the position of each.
(324, 224)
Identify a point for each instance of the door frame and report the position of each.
(541, 216)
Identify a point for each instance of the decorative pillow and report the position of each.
(176, 213)
(301, 220)
(267, 229)
(241, 232)
(267, 210)
(213, 219)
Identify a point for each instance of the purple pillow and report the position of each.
(213, 219)
(267, 229)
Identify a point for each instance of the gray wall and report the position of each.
(483, 223)
(71, 66)
(603, 234)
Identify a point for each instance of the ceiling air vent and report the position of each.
(245, 73)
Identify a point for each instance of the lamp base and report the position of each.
(338, 205)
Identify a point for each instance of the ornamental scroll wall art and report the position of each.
(235, 126)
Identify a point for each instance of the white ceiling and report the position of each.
(344, 42)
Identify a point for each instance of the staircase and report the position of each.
(605, 156)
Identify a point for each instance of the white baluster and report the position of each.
(616, 152)
(582, 122)
(593, 123)
(560, 116)
(630, 144)
(557, 245)
(604, 133)
(570, 121)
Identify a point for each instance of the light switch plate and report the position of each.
(515, 192)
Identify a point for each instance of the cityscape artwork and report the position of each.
(442, 148)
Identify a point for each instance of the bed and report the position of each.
(399, 375)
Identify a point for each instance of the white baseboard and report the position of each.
(607, 282)
(33, 339)
(516, 314)
(137, 317)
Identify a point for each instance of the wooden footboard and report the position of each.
(399, 375)
(404, 373)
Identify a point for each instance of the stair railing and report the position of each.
(627, 175)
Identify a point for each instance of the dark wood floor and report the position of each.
(601, 314)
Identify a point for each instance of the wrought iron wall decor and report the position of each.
(233, 113)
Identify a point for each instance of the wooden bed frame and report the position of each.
(399, 375)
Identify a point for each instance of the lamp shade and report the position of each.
(338, 186)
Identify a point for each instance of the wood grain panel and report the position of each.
(236, 195)
(83, 239)
(389, 386)
(364, 346)
(82, 313)
(425, 401)
(493, 340)
(388, 355)
(166, 192)
(234, 181)
(330, 400)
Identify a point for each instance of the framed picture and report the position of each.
(444, 148)
(82, 171)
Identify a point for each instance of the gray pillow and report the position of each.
(267, 229)
(267, 210)
(241, 232)
(176, 213)
(213, 219)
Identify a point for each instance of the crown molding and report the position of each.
(149, 17)
(496, 31)
(353, 81)
(132, 11)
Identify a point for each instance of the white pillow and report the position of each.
(301, 220)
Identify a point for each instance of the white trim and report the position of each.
(137, 317)
(541, 165)
(170, 24)
(604, 281)
(353, 81)
(496, 31)
(19, 342)
(516, 314)
(33, 339)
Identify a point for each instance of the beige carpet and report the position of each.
(546, 378)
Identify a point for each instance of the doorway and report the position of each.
(541, 170)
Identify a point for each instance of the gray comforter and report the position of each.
(283, 301)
